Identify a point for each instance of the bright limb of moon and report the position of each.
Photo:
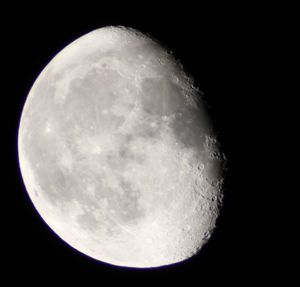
(118, 154)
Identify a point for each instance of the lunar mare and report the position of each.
(118, 154)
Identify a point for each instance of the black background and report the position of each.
(223, 48)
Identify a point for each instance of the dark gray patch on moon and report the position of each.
(161, 97)
(88, 221)
(126, 203)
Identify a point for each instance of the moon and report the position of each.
(118, 153)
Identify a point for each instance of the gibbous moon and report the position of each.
(118, 154)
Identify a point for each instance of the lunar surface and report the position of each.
(118, 153)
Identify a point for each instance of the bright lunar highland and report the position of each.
(118, 153)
